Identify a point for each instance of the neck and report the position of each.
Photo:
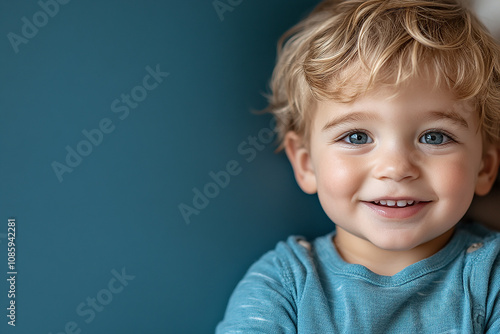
(381, 261)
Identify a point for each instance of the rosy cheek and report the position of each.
(456, 182)
(338, 177)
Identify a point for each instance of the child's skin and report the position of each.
(414, 144)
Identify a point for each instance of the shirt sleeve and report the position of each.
(493, 301)
(263, 301)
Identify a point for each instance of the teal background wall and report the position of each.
(101, 244)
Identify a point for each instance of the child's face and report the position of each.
(396, 171)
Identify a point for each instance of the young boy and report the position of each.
(389, 110)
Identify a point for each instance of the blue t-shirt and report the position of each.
(303, 287)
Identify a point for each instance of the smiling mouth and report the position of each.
(395, 204)
(398, 209)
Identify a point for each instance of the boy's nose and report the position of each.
(396, 164)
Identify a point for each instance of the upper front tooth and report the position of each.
(402, 203)
(383, 202)
(391, 203)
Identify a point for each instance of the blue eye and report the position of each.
(434, 138)
(358, 138)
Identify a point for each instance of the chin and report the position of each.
(397, 244)
(396, 248)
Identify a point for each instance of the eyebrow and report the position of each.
(451, 115)
(362, 116)
(351, 117)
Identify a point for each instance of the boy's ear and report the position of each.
(489, 170)
(300, 158)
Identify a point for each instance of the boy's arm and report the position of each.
(262, 302)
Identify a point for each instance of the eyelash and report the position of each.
(348, 134)
(451, 138)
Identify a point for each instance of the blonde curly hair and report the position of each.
(389, 41)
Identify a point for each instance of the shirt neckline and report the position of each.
(332, 261)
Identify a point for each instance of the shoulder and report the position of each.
(481, 259)
(286, 268)
(292, 259)
(480, 249)
(480, 242)
(265, 300)
(482, 275)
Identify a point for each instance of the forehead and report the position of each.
(409, 100)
